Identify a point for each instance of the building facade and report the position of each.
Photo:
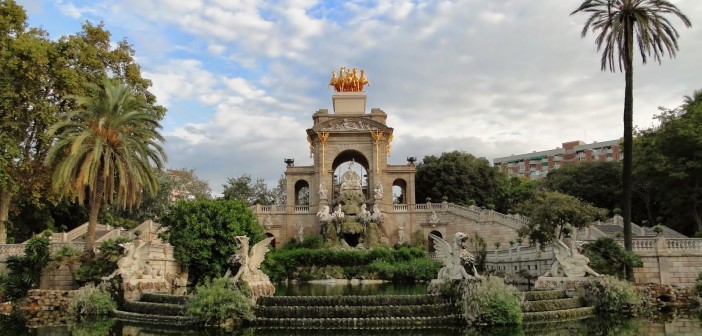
(536, 165)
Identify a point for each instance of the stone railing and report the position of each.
(265, 208)
(642, 244)
(400, 207)
(302, 208)
(688, 244)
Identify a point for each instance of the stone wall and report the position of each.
(668, 261)
(47, 307)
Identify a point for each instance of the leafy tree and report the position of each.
(26, 108)
(645, 175)
(514, 191)
(246, 189)
(203, 233)
(596, 182)
(105, 151)
(673, 167)
(618, 24)
(459, 176)
(549, 212)
(281, 191)
(187, 185)
(38, 76)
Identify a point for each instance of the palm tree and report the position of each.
(618, 24)
(106, 151)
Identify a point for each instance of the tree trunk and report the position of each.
(628, 137)
(5, 197)
(95, 204)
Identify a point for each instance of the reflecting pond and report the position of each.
(682, 324)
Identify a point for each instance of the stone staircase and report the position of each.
(354, 311)
(542, 306)
(161, 309)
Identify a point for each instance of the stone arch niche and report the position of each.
(302, 192)
(399, 191)
(268, 235)
(352, 164)
(432, 248)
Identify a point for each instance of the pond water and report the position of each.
(669, 324)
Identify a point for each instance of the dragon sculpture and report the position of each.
(457, 260)
(569, 262)
(249, 261)
(133, 265)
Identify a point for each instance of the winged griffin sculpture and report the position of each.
(456, 258)
(569, 262)
(249, 261)
(133, 265)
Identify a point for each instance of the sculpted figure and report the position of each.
(451, 257)
(324, 215)
(401, 234)
(378, 190)
(569, 262)
(433, 219)
(249, 261)
(322, 191)
(378, 216)
(363, 81)
(133, 264)
(334, 81)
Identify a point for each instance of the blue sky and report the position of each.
(241, 79)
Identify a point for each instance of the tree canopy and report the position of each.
(669, 170)
(459, 176)
(107, 151)
(596, 182)
(203, 233)
(252, 192)
(38, 77)
(549, 212)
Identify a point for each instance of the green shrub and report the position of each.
(492, 302)
(401, 264)
(610, 294)
(698, 285)
(608, 257)
(104, 263)
(216, 301)
(91, 300)
(23, 272)
(203, 233)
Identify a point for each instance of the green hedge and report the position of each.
(401, 264)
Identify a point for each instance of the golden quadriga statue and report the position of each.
(348, 80)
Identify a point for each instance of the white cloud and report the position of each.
(490, 77)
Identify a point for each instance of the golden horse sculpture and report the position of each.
(348, 81)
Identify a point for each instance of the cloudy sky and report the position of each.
(241, 78)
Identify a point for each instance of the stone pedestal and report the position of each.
(261, 288)
(349, 102)
(133, 288)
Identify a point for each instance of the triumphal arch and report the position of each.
(353, 196)
(347, 194)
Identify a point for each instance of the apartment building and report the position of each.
(536, 165)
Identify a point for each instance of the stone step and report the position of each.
(164, 298)
(445, 320)
(361, 312)
(548, 305)
(359, 300)
(152, 308)
(155, 319)
(382, 330)
(544, 295)
(564, 314)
